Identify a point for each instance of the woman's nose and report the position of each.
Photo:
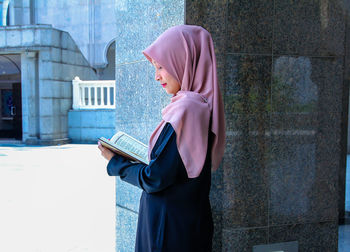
(157, 77)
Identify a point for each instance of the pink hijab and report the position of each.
(187, 53)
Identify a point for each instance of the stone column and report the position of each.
(30, 92)
(345, 129)
(139, 98)
(281, 65)
(281, 69)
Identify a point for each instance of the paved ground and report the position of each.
(55, 199)
(60, 199)
(344, 230)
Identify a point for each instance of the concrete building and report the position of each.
(91, 25)
(36, 99)
(44, 45)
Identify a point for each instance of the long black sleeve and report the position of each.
(163, 170)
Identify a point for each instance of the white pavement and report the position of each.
(56, 199)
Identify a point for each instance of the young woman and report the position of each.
(175, 213)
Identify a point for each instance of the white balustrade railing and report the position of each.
(96, 94)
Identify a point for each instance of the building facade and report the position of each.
(44, 45)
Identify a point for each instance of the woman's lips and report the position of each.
(163, 85)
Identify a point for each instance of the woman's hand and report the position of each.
(106, 153)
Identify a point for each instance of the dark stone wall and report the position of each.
(284, 74)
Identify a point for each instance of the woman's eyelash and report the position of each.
(157, 66)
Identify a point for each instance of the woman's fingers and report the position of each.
(106, 153)
(100, 146)
(102, 149)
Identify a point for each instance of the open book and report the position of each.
(127, 146)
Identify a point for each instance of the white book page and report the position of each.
(130, 145)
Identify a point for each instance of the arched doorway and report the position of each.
(10, 97)
(107, 72)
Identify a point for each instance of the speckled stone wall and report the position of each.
(345, 117)
(284, 72)
(139, 97)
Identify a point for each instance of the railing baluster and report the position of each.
(82, 94)
(95, 96)
(89, 96)
(80, 102)
(108, 97)
(102, 96)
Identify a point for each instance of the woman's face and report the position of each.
(168, 82)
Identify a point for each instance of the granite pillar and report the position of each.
(283, 68)
(139, 97)
(283, 71)
(345, 142)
